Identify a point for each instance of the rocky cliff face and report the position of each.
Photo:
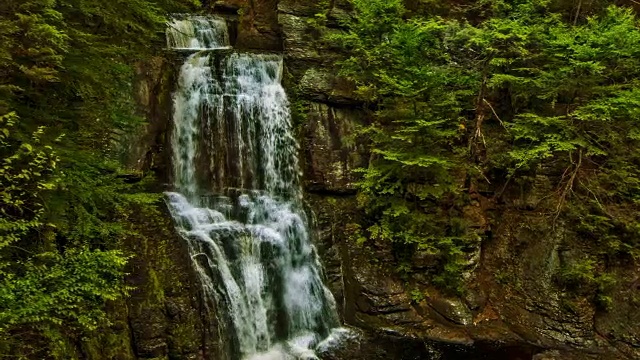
(512, 308)
(164, 318)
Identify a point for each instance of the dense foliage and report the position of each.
(66, 71)
(494, 94)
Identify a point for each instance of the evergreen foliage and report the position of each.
(497, 92)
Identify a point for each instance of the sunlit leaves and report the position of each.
(62, 289)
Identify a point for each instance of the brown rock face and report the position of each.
(146, 150)
(254, 23)
(331, 157)
(165, 315)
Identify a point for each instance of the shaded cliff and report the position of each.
(164, 317)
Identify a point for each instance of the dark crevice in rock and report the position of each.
(226, 9)
(320, 189)
(132, 340)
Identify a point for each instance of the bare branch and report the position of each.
(495, 114)
(568, 188)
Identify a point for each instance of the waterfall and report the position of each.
(238, 201)
(197, 33)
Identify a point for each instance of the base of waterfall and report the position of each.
(305, 347)
(260, 272)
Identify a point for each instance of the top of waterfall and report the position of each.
(196, 33)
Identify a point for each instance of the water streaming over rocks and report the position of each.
(197, 33)
(238, 198)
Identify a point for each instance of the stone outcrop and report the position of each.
(165, 311)
(163, 318)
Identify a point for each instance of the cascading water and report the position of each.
(197, 33)
(238, 199)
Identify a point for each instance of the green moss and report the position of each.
(157, 292)
(584, 278)
(113, 342)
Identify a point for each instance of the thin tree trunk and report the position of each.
(575, 21)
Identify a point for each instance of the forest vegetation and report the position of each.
(66, 72)
(499, 94)
(461, 95)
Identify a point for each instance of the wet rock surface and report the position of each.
(385, 344)
(164, 315)
(453, 310)
(331, 157)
